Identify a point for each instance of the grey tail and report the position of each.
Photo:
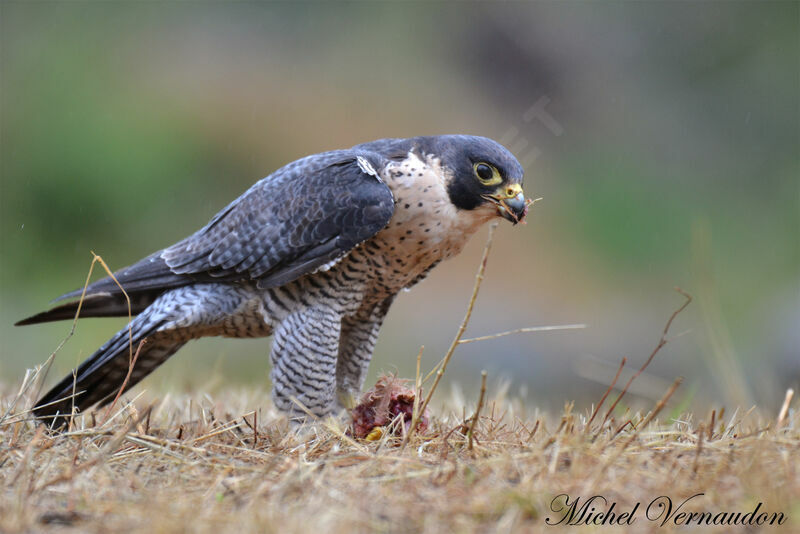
(144, 282)
(97, 305)
(100, 378)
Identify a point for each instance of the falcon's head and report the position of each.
(484, 173)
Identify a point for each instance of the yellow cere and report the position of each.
(511, 191)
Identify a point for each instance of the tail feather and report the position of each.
(98, 305)
(143, 282)
(100, 377)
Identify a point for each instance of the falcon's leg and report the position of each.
(359, 335)
(303, 357)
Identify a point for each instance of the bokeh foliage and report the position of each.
(126, 126)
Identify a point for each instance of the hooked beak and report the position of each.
(510, 202)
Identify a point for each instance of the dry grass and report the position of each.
(230, 463)
(200, 464)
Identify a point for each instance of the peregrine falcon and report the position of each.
(312, 255)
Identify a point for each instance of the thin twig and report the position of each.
(711, 425)
(623, 425)
(478, 279)
(477, 415)
(659, 406)
(785, 408)
(535, 428)
(603, 398)
(415, 414)
(523, 330)
(699, 450)
(661, 342)
(95, 259)
(43, 370)
(255, 428)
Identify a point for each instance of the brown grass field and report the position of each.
(230, 463)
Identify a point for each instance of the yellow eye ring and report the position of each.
(487, 174)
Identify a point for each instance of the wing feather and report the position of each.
(300, 218)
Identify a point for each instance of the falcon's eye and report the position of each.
(487, 174)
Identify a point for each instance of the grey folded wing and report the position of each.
(299, 219)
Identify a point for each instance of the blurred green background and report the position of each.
(667, 154)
